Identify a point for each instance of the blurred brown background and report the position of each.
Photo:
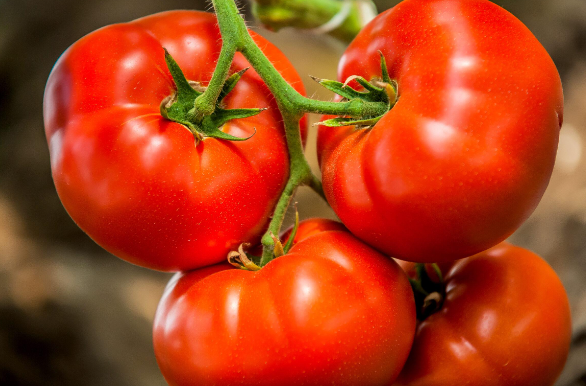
(71, 314)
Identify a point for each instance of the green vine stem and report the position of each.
(291, 104)
(205, 103)
(315, 15)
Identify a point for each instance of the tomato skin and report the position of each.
(312, 226)
(136, 183)
(505, 321)
(331, 311)
(465, 155)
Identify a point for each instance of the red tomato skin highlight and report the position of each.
(331, 311)
(136, 183)
(465, 155)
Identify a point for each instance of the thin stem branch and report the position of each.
(291, 103)
(316, 186)
(299, 174)
(231, 32)
(205, 104)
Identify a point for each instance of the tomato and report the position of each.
(311, 227)
(331, 311)
(464, 156)
(138, 184)
(505, 320)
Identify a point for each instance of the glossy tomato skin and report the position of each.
(331, 311)
(138, 184)
(465, 155)
(312, 226)
(505, 321)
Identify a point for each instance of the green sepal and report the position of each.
(340, 122)
(210, 126)
(231, 83)
(219, 134)
(384, 69)
(222, 116)
(438, 272)
(185, 93)
(366, 84)
(425, 280)
(382, 89)
(340, 89)
(289, 242)
(180, 106)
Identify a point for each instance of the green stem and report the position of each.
(205, 104)
(291, 100)
(291, 104)
(316, 186)
(299, 174)
(353, 108)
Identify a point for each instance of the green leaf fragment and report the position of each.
(340, 122)
(289, 242)
(384, 70)
(340, 89)
(231, 83)
(184, 90)
(222, 116)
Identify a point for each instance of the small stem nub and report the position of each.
(240, 259)
(429, 294)
(278, 250)
(432, 303)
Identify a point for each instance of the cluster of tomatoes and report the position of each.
(457, 164)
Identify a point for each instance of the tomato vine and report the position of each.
(292, 105)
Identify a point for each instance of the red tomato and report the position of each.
(138, 184)
(331, 311)
(465, 155)
(311, 227)
(505, 321)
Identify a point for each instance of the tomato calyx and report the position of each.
(383, 89)
(240, 259)
(250, 262)
(429, 293)
(180, 106)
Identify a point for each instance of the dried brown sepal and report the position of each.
(240, 260)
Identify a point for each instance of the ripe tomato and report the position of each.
(505, 320)
(137, 183)
(466, 153)
(311, 227)
(331, 311)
